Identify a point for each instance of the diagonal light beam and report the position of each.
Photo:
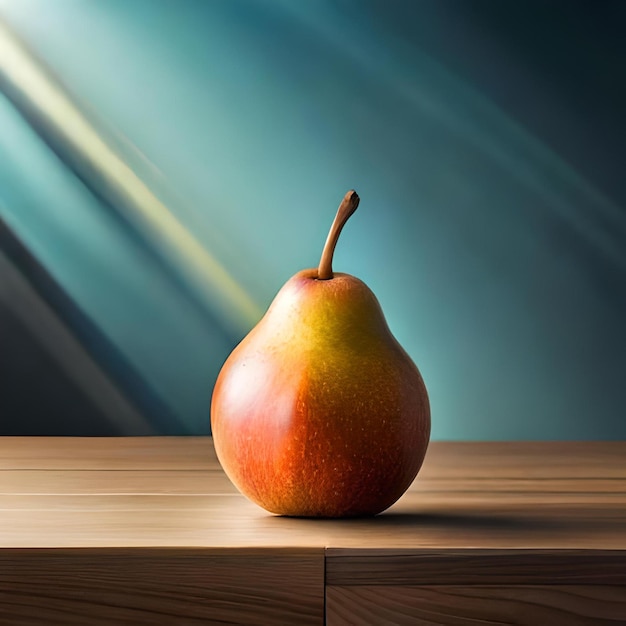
(45, 103)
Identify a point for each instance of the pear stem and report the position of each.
(347, 207)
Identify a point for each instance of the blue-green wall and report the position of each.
(482, 143)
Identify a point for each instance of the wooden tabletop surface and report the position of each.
(170, 492)
(144, 531)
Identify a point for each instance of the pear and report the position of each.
(319, 412)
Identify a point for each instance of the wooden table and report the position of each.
(150, 531)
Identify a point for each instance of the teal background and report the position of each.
(484, 138)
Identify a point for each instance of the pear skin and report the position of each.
(319, 412)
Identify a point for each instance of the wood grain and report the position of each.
(151, 492)
(117, 482)
(475, 567)
(107, 453)
(526, 459)
(151, 531)
(447, 605)
(102, 587)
